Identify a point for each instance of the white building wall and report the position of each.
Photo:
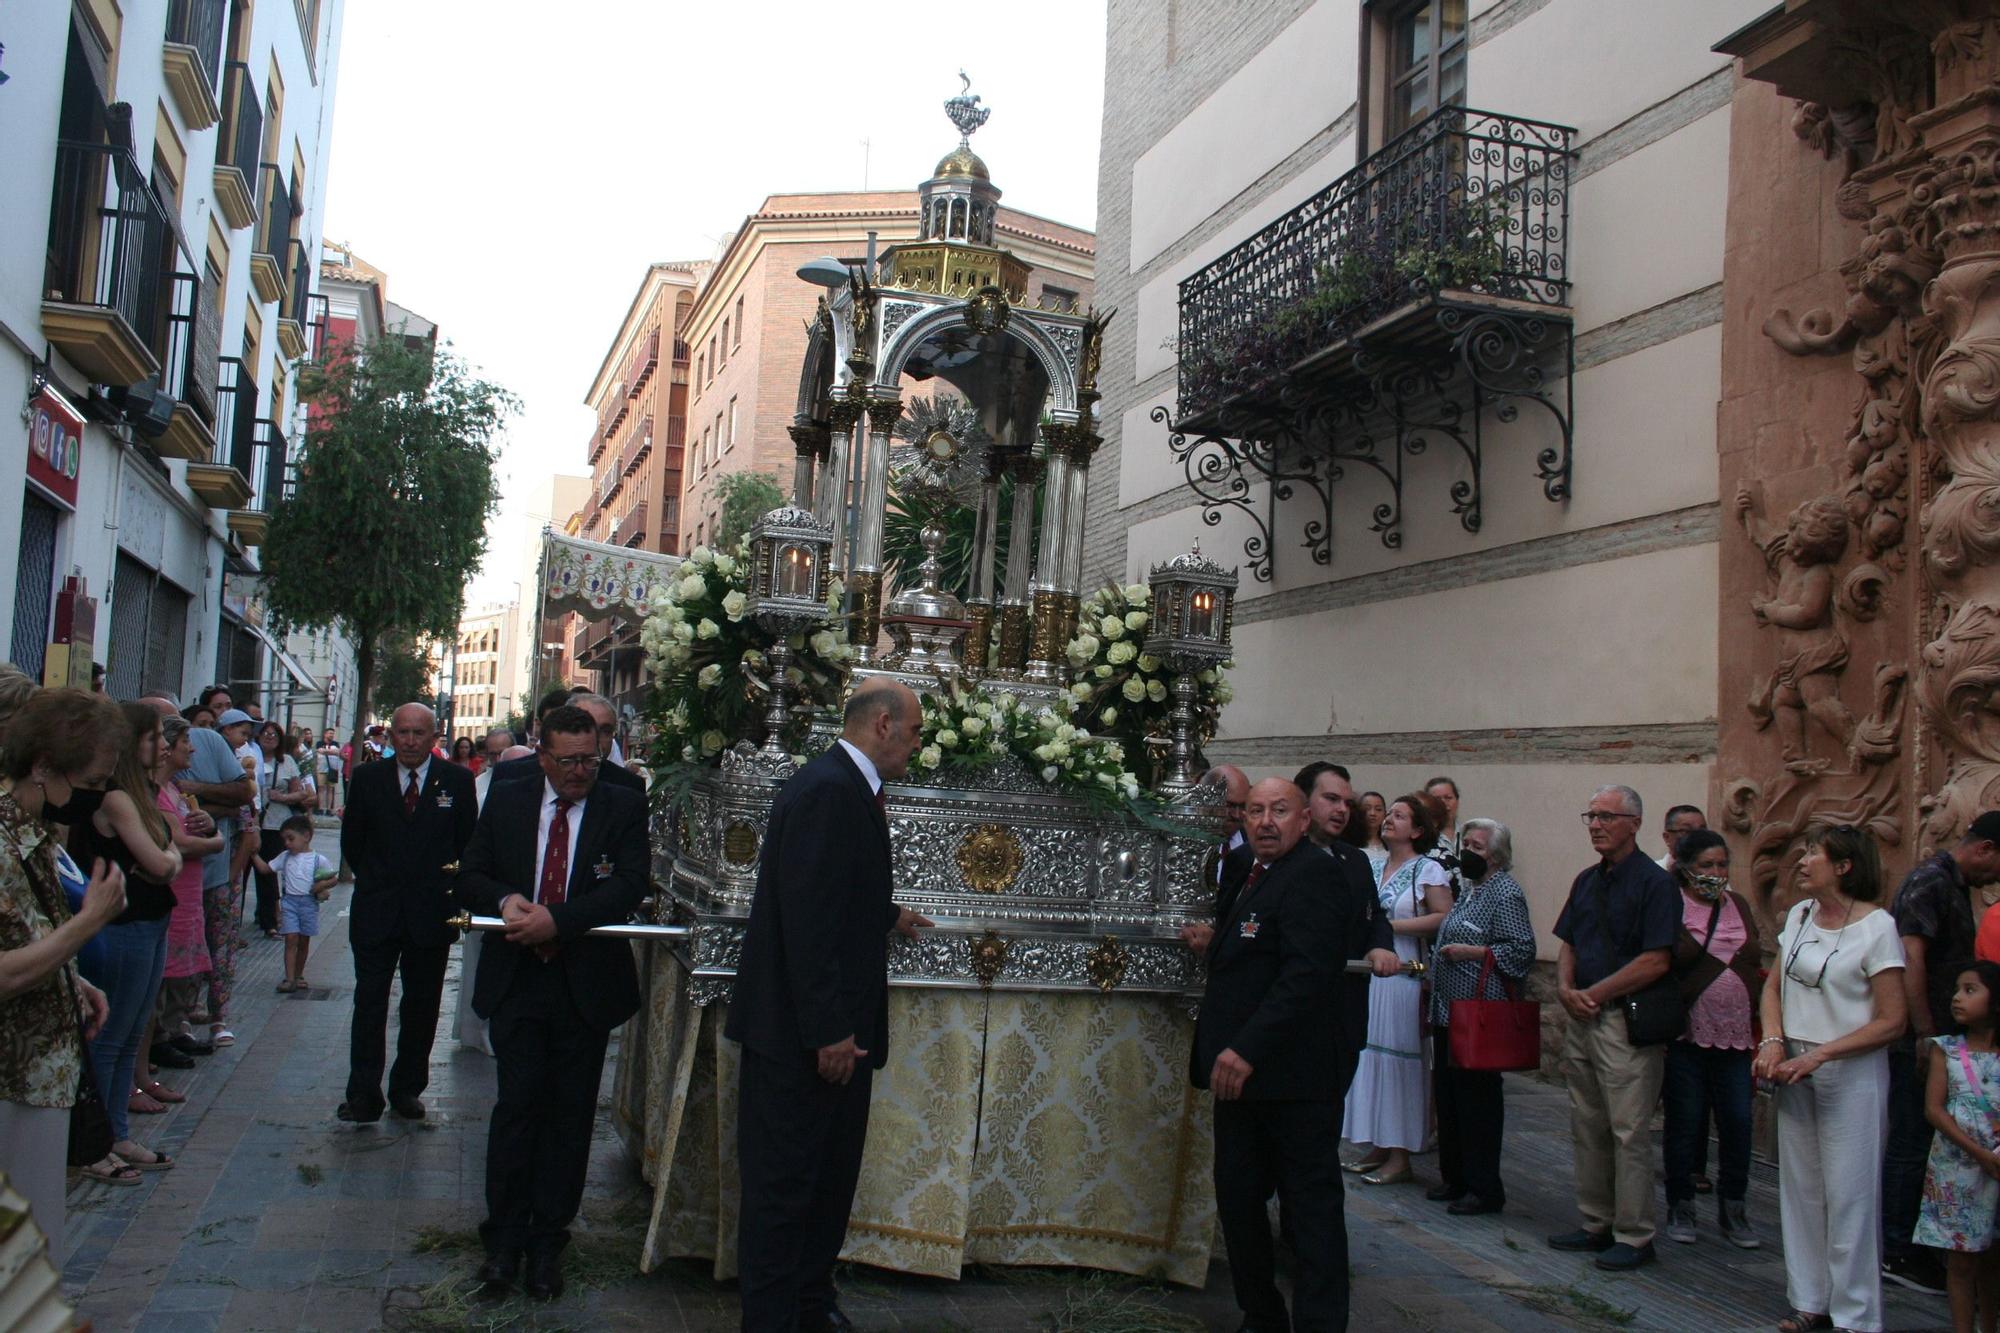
(1562, 646)
(124, 502)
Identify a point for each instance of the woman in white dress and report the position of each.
(1388, 1106)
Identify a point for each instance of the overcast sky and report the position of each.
(514, 167)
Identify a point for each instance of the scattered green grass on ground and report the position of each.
(1105, 1303)
(1575, 1302)
(311, 1173)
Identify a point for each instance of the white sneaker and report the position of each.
(1681, 1224)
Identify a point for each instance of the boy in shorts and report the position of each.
(305, 880)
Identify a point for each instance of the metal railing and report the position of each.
(271, 458)
(316, 316)
(631, 529)
(236, 418)
(274, 232)
(242, 124)
(110, 243)
(199, 24)
(1463, 201)
(644, 358)
(298, 291)
(191, 363)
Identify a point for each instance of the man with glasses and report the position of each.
(604, 718)
(1235, 791)
(408, 821)
(1617, 932)
(552, 858)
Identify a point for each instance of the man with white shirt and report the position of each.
(408, 821)
(553, 858)
(811, 1008)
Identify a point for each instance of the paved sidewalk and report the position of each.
(279, 1217)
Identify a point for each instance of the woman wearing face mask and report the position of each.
(128, 831)
(60, 742)
(1708, 1070)
(1489, 917)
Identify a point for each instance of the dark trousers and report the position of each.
(549, 1061)
(1471, 1116)
(375, 966)
(1701, 1080)
(1906, 1154)
(270, 843)
(798, 1148)
(1292, 1148)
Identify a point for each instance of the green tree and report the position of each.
(396, 484)
(402, 675)
(746, 497)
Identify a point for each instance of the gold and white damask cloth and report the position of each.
(1008, 1128)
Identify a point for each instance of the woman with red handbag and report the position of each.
(1484, 949)
(1708, 1070)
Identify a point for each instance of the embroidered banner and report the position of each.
(596, 580)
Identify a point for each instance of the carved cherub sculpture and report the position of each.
(1812, 652)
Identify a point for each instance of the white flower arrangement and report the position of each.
(966, 726)
(699, 641)
(1125, 690)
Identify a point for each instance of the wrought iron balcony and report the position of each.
(270, 462)
(227, 479)
(192, 59)
(236, 152)
(317, 314)
(190, 369)
(1400, 303)
(292, 309)
(631, 529)
(107, 284)
(272, 254)
(641, 445)
(645, 357)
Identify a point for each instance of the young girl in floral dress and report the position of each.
(1963, 1182)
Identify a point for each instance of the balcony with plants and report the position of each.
(1467, 210)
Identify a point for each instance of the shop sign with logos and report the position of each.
(55, 446)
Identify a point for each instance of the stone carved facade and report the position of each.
(1903, 104)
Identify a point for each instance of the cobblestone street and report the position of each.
(280, 1217)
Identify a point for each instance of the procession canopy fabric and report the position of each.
(597, 580)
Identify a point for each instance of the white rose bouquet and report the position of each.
(1120, 690)
(969, 727)
(699, 640)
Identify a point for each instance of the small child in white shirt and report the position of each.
(305, 880)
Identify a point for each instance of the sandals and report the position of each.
(221, 1036)
(112, 1170)
(142, 1102)
(153, 1161)
(160, 1092)
(1798, 1321)
(287, 986)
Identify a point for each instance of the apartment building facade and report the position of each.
(640, 398)
(747, 330)
(1475, 507)
(486, 669)
(165, 162)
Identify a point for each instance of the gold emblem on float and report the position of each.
(1105, 965)
(988, 954)
(990, 858)
(739, 844)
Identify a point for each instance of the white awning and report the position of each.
(597, 580)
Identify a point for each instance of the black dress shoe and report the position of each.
(1473, 1205)
(831, 1320)
(497, 1273)
(1445, 1193)
(1582, 1240)
(359, 1115)
(544, 1281)
(167, 1057)
(407, 1107)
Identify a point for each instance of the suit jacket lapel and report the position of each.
(860, 779)
(581, 874)
(525, 830)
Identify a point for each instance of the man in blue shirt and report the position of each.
(1617, 932)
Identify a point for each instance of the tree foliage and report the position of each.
(395, 486)
(746, 497)
(402, 675)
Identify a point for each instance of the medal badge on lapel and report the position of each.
(444, 800)
(603, 868)
(1248, 927)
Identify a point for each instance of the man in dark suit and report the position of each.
(1273, 1041)
(553, 859)
(812, 1010)
(1331, 813)
(408, 820)
(605, 720)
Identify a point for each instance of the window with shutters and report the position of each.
(166, 638)
(34, 583)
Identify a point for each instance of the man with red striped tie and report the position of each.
(552, 857)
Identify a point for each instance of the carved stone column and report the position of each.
(810, 439)
(831, 503)
(1017, 593)
(884, 408)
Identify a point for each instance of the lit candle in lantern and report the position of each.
(795, 573)
(1201, 616)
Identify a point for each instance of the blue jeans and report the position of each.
(1700, 1080)
(132, 961)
